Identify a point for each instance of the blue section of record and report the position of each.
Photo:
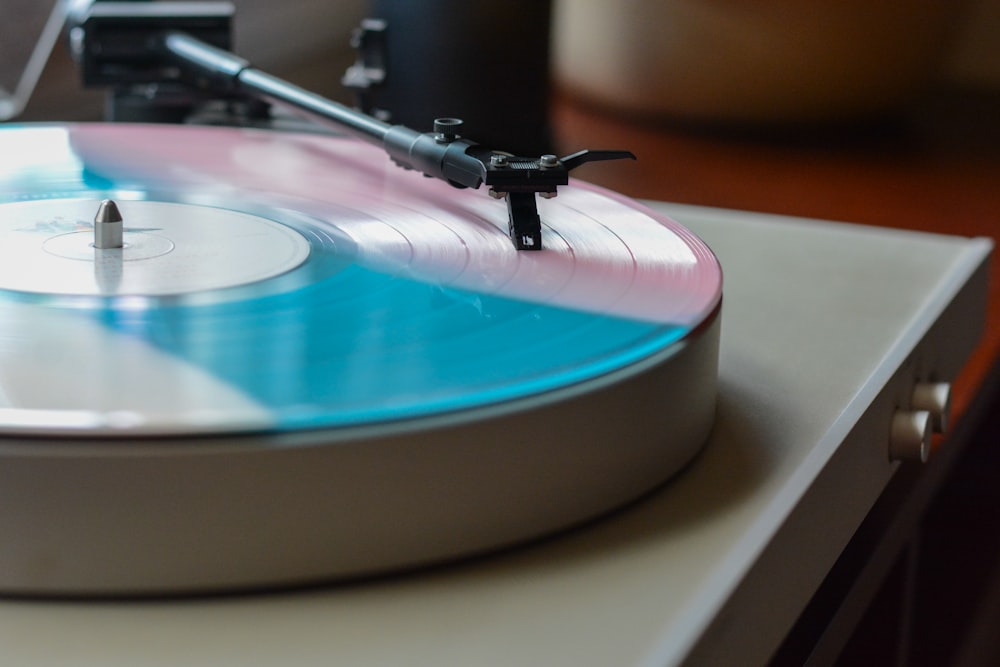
(364, 347)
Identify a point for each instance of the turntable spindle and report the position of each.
(108, 226)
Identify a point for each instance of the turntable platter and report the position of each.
(294, 327)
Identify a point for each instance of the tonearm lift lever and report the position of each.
(133, 43)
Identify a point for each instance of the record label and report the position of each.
(168, 249)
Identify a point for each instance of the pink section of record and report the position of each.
(603, 253)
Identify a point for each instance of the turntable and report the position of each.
(242, 358)
(211, 330)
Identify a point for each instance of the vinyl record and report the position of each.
(281, 281)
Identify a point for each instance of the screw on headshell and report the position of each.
(446, 129)
(108, 226)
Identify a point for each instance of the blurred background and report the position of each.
(307, 41)
(756, 61)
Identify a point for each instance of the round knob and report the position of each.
(935, 398)
(447, 129)
(910, 436)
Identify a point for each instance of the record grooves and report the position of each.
(301, 344)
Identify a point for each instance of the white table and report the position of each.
(825, 329)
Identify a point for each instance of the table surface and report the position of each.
(645, 585)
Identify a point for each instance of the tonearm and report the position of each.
(186, 43)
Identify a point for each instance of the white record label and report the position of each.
(169, 249)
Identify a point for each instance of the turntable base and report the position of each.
(815, 357)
